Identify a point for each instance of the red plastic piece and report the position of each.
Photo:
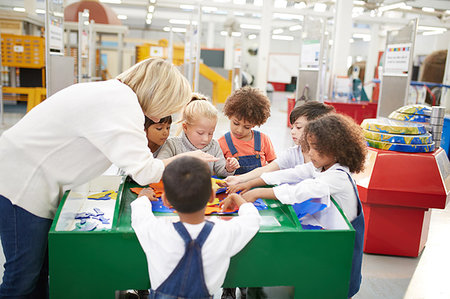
(397, 191)
(278, 86)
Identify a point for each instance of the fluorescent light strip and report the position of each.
(19, 9)
(427, 9)
(277, 31)
(122, 17)
(252, 36)
(295, 28)
(187, 7)
(251, 26)
(433, 32)
(40, 11)
(175, 29)
(282, 37)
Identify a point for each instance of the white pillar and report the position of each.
(445, 98)
(264, 45)
(341, 37)
(211, 36)
(229, 53)
(372, 57)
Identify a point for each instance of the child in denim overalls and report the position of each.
(178, 252)
(336, 147)
(246, 108)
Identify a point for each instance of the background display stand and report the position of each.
(84, 41)
(397, 191)
(397, 68)
(311, 60)
(59, 68)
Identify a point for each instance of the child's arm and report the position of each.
(254, 194)
(231, 164)
(255, 173)
(244, 187)
(149, 193)
(142, 218)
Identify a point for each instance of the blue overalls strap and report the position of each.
(187, 280)
(230, 144)
(233, 150)
(201, 238)
(358, 225)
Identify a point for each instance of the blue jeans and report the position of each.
(24, 240)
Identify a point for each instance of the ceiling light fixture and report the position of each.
(282, 37)
(295, 28)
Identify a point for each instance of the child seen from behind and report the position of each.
(246, 108)
(337, 148)
(199, 122)
(187, 187)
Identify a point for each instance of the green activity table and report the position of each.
(95, 264)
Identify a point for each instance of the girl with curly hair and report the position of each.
(336, 147)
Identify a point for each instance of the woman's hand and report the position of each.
(149, 193)
(232, 164)
(201, 155)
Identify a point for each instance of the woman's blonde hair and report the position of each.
(199, 106)
(159, 86)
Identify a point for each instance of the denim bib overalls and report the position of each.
(358, 225)
(250, 162)
(187, 280)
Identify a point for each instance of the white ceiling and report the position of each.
(286, 13)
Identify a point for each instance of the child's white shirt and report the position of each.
(164, 247)
(290, 158)
(303, 182)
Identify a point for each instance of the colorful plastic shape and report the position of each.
(398, 147)
(310, 206)
(397, 138)
(391, 126)
(409, 117)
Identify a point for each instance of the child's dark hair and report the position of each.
(149, 122)
(187, 184)
(249, 104)
(339, 136)
(311, 110)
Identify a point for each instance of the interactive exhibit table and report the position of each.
(397, 190)
(86, 263)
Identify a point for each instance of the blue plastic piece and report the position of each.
(311, 227)
(310, 206)
(98, 211)
(83, 215)
(85, 227)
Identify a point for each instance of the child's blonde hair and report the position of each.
(199, 106)
(159, 86)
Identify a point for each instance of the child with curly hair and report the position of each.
(336, 147)
(198, 123)
(246, 108)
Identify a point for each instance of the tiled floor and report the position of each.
(424, 277)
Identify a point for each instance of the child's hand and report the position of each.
(243, 187)
(252, 195)
(232, 180)
(232, 202)
(232, 164)
(149, 193)
(201, 155)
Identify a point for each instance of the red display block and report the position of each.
(358, 111)
(397, 191)
(277, 86)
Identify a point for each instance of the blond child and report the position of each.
(336, 147)
(198, 123)
(293, 156)
(246, 108)
(187, 186)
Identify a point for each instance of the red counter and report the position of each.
(358, 111)
(397, 191)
